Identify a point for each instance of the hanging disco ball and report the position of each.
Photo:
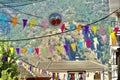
(55, 19)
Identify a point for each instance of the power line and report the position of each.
(21, 4)
(61, 32)
(21, 1)
(5, 6)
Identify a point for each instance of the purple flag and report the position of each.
(66, 48)
(30, 68)
(18, 50)
(24, 22)
(86, 29)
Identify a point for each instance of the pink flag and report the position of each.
(88, 43)
(101, 30)
(37, 51)
(103, 38)
(62, 27)
(51, 49)
(44, 25)
(6, 48)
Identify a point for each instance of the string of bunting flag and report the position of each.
(32, 22)
(33, 69)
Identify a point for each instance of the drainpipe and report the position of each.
(118, 39)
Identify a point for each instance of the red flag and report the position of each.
(62, 27)
(37, 51)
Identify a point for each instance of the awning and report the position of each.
(64, 66)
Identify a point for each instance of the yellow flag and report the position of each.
(9, 59)
(24, 50)
(27, 66)
(113, 38)
(11, 50)
(59, 48)
(94, 28)
(1, 55)
(34, 69)
(73, 46)
(32, 22)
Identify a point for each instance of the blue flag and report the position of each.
(30, 50)
(71, 27)
(3, 19)
(80, 44)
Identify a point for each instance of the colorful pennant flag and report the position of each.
(44, 50)
(24, 50)
(24, 23)
(116, 29)
(18, 50)
(37, 70)
(101, 30)
(95, 42)
(103, 38)
(110, 30)
(3, 18)
(32, 22)
(34, 69)
(88, 43)
(94, 29)
(113, 38)
(11, 50)
(59, 48)
(66, 47)
(14, 20)
(6, 48)
(8, 59)
(71, 27)
(73, 46)
(79, 27)
(40, 71)
(80, 45)
(27, 66)
(30, 68)
(62, 27)
(44, 24)
(30, 50)
(37, 51)
(50, 49)
(47, 72)
(1, 55)
(86, 29)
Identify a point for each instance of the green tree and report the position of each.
(8, 65)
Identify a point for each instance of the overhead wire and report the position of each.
(20, 4)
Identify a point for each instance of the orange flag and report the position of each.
(79, 27)
(14, 20)
(24, 50)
